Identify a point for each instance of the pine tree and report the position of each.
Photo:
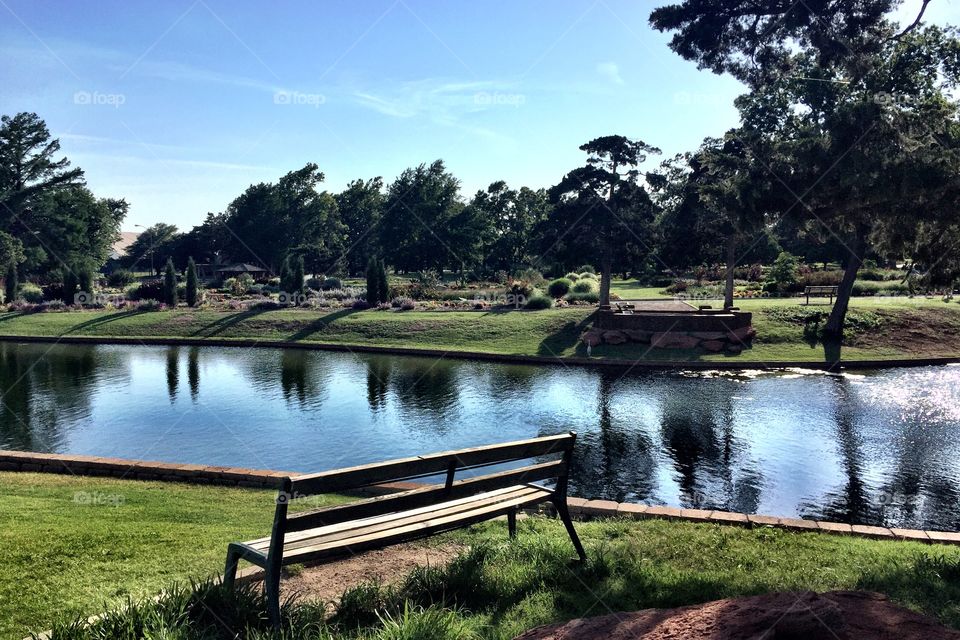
(373, 281)
(298, 275)
(11, 284)
(383, 287)
(285, 275)
(191, 283)
(170, 285)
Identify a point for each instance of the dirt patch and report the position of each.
(837, 615)
(327, 582)
(927, 332)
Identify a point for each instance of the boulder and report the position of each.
(673, 340)
(714, 345)
(638, 335)
(592, 338)
(614, 337)
(709, 335)
(741, 335)
(734, 348)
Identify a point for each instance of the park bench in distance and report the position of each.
(373, 523)
(820, 291)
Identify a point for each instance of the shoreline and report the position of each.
(732, 364)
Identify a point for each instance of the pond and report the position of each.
(876, 448)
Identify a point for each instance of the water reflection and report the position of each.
(878, 448)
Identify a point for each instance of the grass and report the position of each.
(932, 326)
(495, 589)
(71, 544)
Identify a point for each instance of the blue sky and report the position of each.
(180, 105)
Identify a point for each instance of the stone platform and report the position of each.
(672, 324)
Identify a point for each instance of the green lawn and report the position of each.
(64, 557)
(882, 328)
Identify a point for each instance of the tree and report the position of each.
(170, 284)
(191, 283)
(416, 222)
(70, 284)
(28, 167)
(373, 281)
(86, 280)
(286, 277)
(601, 211)
(383, 282)
(361, 206)
(297, 275)
(152, 248)
(11, 285)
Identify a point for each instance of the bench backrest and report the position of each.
(449, 463)
(821, 289)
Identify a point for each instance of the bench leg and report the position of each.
(271, 586)
(564, 513)
(512, 522)
(230, 570)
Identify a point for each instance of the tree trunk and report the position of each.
(606, 271)
(833, 330)
(731, 264)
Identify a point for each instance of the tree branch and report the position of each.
(914, 24)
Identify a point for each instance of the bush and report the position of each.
(678, 286)
(240, 285)
(120, 279)
(150, 305)
(572, 277)
(560, 287)
(331, 283)
(31, 293)
(313, 283)
(149, 290)
(785, 270)
(590, 297)
(587, 269)
(360, 305)
(585, 285)
(404, 304)
(532, 276)
(539, 302)
(191, 286)
(586, 275)
(170, 284)
(520, 288)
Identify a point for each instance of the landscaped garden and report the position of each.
(78, 544)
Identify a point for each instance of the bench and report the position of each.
(820, 291)
(481, 494)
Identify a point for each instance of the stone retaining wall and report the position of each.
(263, 479)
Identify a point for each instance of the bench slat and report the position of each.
(425, 496)
(420, 466)
(413, 531)
(374, 526)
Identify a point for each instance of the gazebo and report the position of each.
(236, 270)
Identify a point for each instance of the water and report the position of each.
(879, 448)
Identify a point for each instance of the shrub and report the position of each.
(191, 288)
(590, 297)
(532, 276)
(404, 304)
(377, 288)
(572, 277)
(70, 284)
(149, 305)
(31, 293)
(587, 269)
(360, 305)
(170, 284)
(331, 283)
(120, 279)
(785, 269)
(53, 305)
(560, 287)
(240, 285)
(313, 283)
(586, 275)
(539, 302)
(149, 290)
(678, 286)
(585, 285)
(86, 281)
(297, 275)
(10, 282)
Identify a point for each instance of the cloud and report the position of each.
(610, 71)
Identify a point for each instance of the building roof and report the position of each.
(123, 243)
(241, 267)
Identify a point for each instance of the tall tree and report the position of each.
(152, 248)
(191, 292)
(602, 211)
(170, 284)
(361, 206)
(11, 285)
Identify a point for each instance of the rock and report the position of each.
(713, 345)
(709, 335)
(673, 340)
(592, 338)
(614, 337)
(741, 335)
(638, 335)
(734, 348)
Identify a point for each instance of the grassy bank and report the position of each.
(67, 557)
(879, 328)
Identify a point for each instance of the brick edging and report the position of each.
(732, 363)
(80, 465)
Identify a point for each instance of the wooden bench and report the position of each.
(481, 494)
(820, 291)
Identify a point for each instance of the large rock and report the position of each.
(638, 335)
(709, 335)
(614, 337)
(742, 335)
(674, 340)
(734, 348)
(836, 615)
(714, 345)
(592, 338)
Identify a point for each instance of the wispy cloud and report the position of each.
(610, 71)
